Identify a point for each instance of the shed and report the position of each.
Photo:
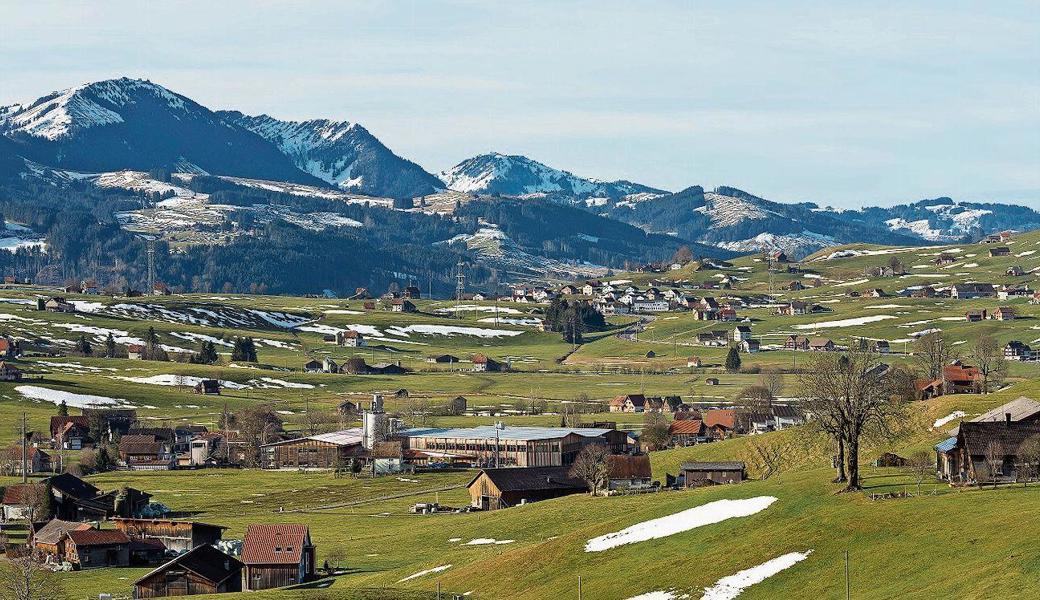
(203, 570)
(94, 548)
(699, 474)
(493, 489)
(276, 556)
(628, 472)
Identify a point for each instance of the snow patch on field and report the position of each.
(450, 330)
(692, 518)
(487, 542)
(57, 397)
(659, 595)
(178, 381)
(424, 573)
(844, 322)
(957, 414)
(731, 586)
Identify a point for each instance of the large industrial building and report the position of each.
(500, 446)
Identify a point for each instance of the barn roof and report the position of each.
(1008, 437)
(1019, 408)
(71, 485)
(97, 537)
(488, 432)
(523, 479)
(686, 427)
(274, 544)
(55, 530)
(620, 466)
(713, 466)
(206, 561)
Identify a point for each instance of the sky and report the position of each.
(839, 103)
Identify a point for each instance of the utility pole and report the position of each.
(25, 470)
(460, 288)
(151, 266)
(579, 587)
(848, 588)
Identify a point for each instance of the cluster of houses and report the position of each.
(624, 298)
(355, 365)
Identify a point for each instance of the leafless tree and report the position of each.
(23, 578)
(920, 466)
(988, 356)
(37, 499)
(570, 415)
(994, 461)
(590, 466)
(753, 400)
(655, 431)
(771, 457)
(932, 352)
(1029, 459)
(852, 396)
(257, 425)
(772, 381)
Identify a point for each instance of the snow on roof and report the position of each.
(488, 432)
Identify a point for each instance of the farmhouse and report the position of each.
(135, 351)
(322, 451)
(312, 366)
(796, 342)
(49, 540)
(488, 445)
(494, 489)
(350, 339)
(175, 535)
(74, 499)
(37, 461)
(698, 474)
(720, 422)
(146, 452)
(9, 372)
(1000, 251)
(741, 333)
(796, 307)
(626, 472)
(1015, 271)
(202, 570)
(693, 362)
(19, 500)
(95, 548)
(1016, 350)
(975, 316)
(985, 452)
(208, 387)
(687, 432)
(442, 359)
(714, 338)
(969, 291)
(750, 346)
(818, 344)
(944, 259)
(402, 305)
(276, 556)
(483, 364)
(1003, 313)
(628, 403)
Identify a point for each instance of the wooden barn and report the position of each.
(204, 570)
(177, 536)
(699, 474)
(276, 556)
(322, 451)
(49, 540)
(95, 548)
(493, 489)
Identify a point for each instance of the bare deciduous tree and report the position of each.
(590, 466)
(932, 352)
(920, 466)
(994, 461)
(988, 356)
(23, 578)
(655, 431)
(1029, 459)
(853, 397)
(772, 381)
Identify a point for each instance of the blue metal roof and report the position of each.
(946, 445)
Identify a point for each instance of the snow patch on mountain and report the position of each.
(799, 244)
(726, 211)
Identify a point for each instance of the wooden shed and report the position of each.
(276, 556)
(94, 548)
(493, 489)
(699, 474)
(204, 570)
(177, 536)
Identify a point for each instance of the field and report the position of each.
(942, 542)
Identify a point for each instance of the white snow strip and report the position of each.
(487, 542)
(70, 399)
(957, 414)
(692, 518)
(426, 572)
(844, 322)
(731, 586)
(659, 595)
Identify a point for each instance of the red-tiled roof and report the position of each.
(98, 537)
(274, 544)
(686, 427)
(58, 423)
(727, 417)
(628, 467)
(15, 494)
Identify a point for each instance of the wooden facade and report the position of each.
(276, 556)
(204, 570)
(713, 473)
(307, 453)
(177, 536)
(494, 489)
(479, 447)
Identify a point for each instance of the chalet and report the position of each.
(49, 541)
(750, 346)
(985, 451)
(974, 316)
(1019, 409)
(9, 372)
(794, 286)
(628, 403)
(969, 291)
(714, 338)
(794, 308)
(387, 368)
(649, 306)
(926, 291)
(944, 259)
(687, 432)
(37, 461)
(113, 422)
(322, 451)
(8, 348)
(135, 351)
(442, 359)
(569, 290)
(160, 289)
(722, 422)
(778, 256)
(494, 489)
(69, 432)
(741, 333)
(818, 344)
(728, 314)
(874, 293)
(879, 346)
(412, 292)
(55, 304)
(457, 405)
(482, 363)
(350, 339)
(626, 472)
(1002, 313)
(961, 379)
(96, 548)
(402, 305)
(312, 366)
(202, 570)
(276, 556)
(146, 452)
(699, 474)
(73, 499)
(208, 387)
(796, 342)
(1016, 350)
(175, 535)
(488, 445)
(329, 366)
(1014, 271)
(1000, 251)
(693, 362)
(1007, 292)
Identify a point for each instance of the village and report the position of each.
(660, 386)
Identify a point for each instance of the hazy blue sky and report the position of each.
(842, 103)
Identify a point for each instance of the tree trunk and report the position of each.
(853, 460)
(841, 478)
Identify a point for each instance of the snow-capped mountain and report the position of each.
(135, 124)
(511, 175)
(341, 153)
(945, 220)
